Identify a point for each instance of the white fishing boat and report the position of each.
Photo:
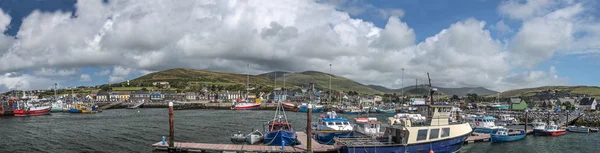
(578, 129)
(369, 127)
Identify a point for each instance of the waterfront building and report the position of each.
(191, 96)
(587, 104)
(517, 104)
(140, 95)
(102, 96)
(124, 96)
(113, 96)
(157, 96)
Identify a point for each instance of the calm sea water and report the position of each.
(125, 130)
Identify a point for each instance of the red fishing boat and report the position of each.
(246, 106)
(551, 130)
(32, 110)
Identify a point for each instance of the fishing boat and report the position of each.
(57, 106)
(506, 119)
(331, 126)
(24, 109)
(238, 137)
(550, 130)
(352, 111)
(76, 108)
(483, 124)
(254, 137)
(438, 136)
(505, 135)
(246, 106)
(279, 131)
(579, 129)
(89, 108)
(289, 106)
(386, 111)
(315, 108)
(369, 127)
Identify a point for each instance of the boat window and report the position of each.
(346, 123)
(434, 134)
(338, 123)
(422, 135)
(328, 123)
(445, 132)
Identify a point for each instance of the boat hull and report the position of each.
(386, 111)
(506, 138)
(246, 107)
(326, 137)
(277, 138)
(549, 133)
(73, 110)
(483, 130)
(441, 146)
(314, 110)
(21, 112)
(578, 130)
(57, 109)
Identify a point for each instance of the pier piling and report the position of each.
(309, 128)
(526, 118)
(171, 128)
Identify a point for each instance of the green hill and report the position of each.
(574, 90)
(321, 81)
(180, 78)
(424, 89)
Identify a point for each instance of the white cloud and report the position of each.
(85, 78)
(102, 73)
(501, 27)
(55, 72)
(517, 9)
(5, 41)
(14, 81)
(285, 35)
(119, 73)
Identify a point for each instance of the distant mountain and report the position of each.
(423, 90)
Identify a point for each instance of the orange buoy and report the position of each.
(430, 151)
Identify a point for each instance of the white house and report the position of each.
(587, 104)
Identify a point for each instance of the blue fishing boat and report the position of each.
(315, 109)
(330, 127)
(279, 131)
(352, 111)
(505, 135)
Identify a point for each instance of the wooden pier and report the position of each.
(207, 147)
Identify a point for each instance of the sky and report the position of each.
(496, 44)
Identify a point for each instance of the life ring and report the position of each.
(477, 123)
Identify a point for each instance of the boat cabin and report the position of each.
(276, 126)
(485, 121)
(332, 122)
(369, 126)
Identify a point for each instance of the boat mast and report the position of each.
(55, 98)
(247, 80)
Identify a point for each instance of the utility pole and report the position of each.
(247, 80)
(402, 85)
(330, 83)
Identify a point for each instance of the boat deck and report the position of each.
(207, 147)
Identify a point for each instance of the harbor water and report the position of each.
(133, 130)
